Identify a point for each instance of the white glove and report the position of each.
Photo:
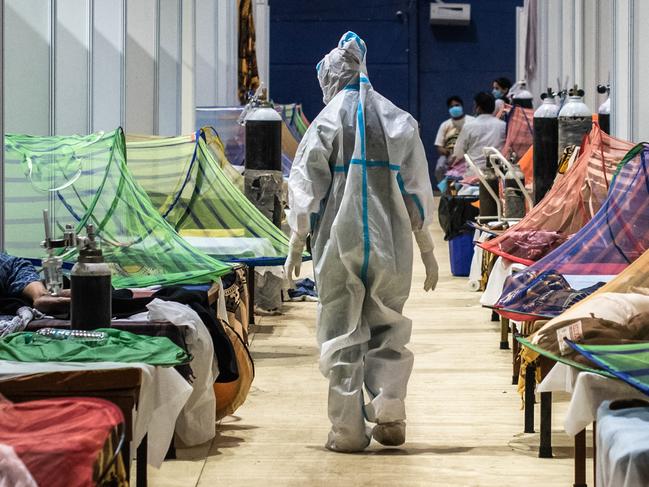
(426, 248)
(294, 258)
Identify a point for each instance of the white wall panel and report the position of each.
(2, 152)
(597, 50)
(206, 55)
(108, 64)
(227, 53)
(604, 41)
(521, 35)
(554, 47)
(538, 83)
(169, 67)
(575, 43)
(188, 64)
(27, 66)
(640, 96)
(71, 59)
(216, 53)
(578, 43)
(262, 36)
(77, 66)
(591, 56)
(141, 80)
(567, 47)
(622, 78)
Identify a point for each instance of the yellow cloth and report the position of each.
(248, 73)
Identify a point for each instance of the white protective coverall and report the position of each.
(359, 185)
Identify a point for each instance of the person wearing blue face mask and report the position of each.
(448, 133)
(500, 90)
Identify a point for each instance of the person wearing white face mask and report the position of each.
(448, 132)
(359, 186)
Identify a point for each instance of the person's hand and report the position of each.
(432, 270)
(426, 248)
(43, 301)
(294, 258)
(49, 304)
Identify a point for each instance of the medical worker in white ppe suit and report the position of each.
(359, 185)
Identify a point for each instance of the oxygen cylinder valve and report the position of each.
(548, 94)
(576, 91)
(52, 264)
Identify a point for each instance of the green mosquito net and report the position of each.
(186, 184)
(83, 180)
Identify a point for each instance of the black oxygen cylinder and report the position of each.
(488, 206)
(604, 110)
(263, 176)
(90, 288)
(546, 143)
(264, 142)
(546, 163)
(605, 122)
(91, 303)
(514, 198)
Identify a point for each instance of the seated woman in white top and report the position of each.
(448, 132)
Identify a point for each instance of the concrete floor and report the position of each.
(464, 418)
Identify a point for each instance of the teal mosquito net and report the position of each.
(83, 180)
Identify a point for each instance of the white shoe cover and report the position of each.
(342, 445)
(390, 434)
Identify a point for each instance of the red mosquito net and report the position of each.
(568, 206)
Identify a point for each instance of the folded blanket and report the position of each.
(592, 331)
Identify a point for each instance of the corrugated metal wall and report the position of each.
(77, 66)
(596, 41)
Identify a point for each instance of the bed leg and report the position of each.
(504, 333)
(530, 385)
(545, 447)
(251, 294)
(580, 459)
(595, 453)
(516, 360)
(141, 462)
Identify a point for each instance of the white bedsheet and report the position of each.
(502, 269)
(622, 447)
(581, 282)
(196, 423)
(237, 246)
(588, 390)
